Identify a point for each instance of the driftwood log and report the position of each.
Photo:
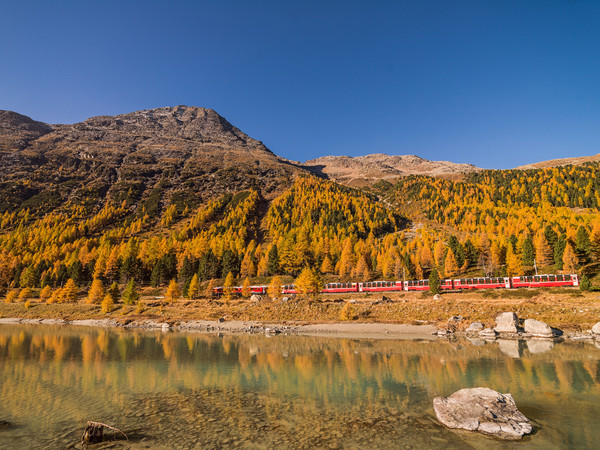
(94, 433)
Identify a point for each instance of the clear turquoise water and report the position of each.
(177, 390)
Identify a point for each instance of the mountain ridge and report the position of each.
(378, 166)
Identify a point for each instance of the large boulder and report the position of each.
(507, 322)
(596, 328)
(483, 410)
(538, 328)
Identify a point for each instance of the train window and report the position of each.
(559, 277)
(567, 277)
(426, 282)
(552, 278)
(544, 278)
(488, 281)
(536, 278)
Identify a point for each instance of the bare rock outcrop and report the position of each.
(483, 410)
(596, 329)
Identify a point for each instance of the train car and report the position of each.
(416, 285)
(332, 288)
(447, 284)
(258, 289)
(544, 281)
(218, 291)
(288, 289)
(482, 283)
(380, 286)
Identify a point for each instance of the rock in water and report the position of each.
(538, 328)
(483, 410)
(475, 327)
(507, 322)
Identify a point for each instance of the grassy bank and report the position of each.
(561, 308)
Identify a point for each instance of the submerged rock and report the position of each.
(475, 327)
(483, 410)
(507, 322)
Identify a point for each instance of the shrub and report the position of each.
(11, 296)
(584, 283)
(348, 313)
(25, 294)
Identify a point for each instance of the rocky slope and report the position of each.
(187, 151)
(354, 170)
(577, 161)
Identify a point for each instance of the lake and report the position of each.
(180, 390)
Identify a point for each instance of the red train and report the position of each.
(533, 281)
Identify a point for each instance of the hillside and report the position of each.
(576, 161)
(185, 152)
(180, 193)
(369, 168)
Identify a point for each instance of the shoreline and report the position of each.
(341, 330)
(334, 330)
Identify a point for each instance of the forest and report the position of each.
(492, 223)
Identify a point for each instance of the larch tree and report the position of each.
(96, 292)
(228, 286)
(70, 291)
(173, 291)
(308, 283)
(513, 262)
(544, 254)
(274, 289)
(193, 288)
(439, 252)
(327, 266)
(451, 265)
(246, 290)
(570, 260)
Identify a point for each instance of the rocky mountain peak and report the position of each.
(17, 130)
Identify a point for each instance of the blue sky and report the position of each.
(496, 83)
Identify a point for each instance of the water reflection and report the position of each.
(53, 378)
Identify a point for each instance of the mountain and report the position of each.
(577, 161)
(189, 150)
(361, 169)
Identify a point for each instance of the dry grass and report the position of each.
(565, 309)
